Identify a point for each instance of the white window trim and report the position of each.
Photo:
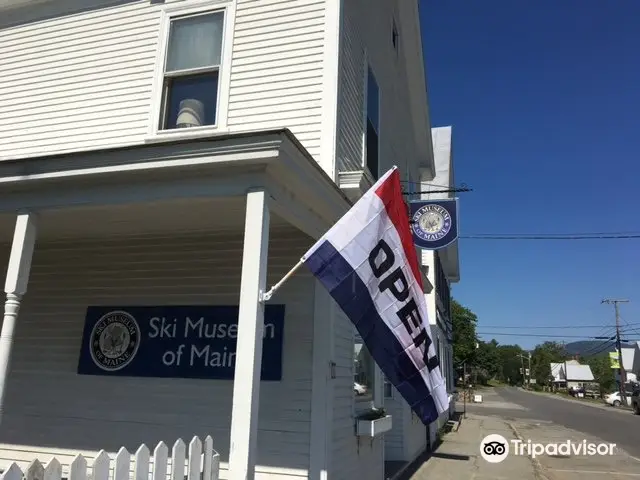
(365, 112)
(224, 80)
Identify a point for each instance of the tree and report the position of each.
(602, 372)
(509, 363)
(541, 359)
(486, 363)
(464, 333)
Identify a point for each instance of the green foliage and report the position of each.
(541, 359)
(490, 363)
(464, 333)
(372, 414)
(510, 364)
(602, 372)
(486, 364)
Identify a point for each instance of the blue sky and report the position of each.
(544, 99)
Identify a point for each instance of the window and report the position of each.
(363, 371)
(372, 133)
(388, 389)
(191, 70)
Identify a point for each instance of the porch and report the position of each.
(211, 224)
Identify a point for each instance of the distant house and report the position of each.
(577, 375)
(557, 373)
(630, 362)
(571, 374)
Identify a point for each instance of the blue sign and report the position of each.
(174, 341)
(434, 223)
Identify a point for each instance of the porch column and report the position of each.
(15, 287)
(246, 383)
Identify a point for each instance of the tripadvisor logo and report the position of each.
(495, 448)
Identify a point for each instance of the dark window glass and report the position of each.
(373, 124)
(191, 100)
(372, 149)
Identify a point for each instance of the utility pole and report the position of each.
(526, 376)
(623, 376)
(523, 372)
(464, 389)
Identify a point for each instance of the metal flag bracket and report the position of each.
(266, 296)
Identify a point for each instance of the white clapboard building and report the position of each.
(161, 163)
(409, 438)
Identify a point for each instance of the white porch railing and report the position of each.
(201, 463)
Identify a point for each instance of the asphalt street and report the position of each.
(610, 425)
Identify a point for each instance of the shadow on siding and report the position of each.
(405, 471)
(47, 9)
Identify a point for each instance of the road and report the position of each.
(610, 425)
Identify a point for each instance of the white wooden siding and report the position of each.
(367, 27)
(276, 72)
(349, 458)
(350, 121)
(415, 435)
(49, 408)
(77, 82)
(82, 81)
(394, 439)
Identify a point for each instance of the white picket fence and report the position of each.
(202, 463)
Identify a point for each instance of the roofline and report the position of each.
(417, 83)
(81, 178)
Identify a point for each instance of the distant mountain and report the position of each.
(591, 347)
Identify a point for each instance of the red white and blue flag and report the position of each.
(368, 263)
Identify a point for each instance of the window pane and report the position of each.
(191, 100)
(195, 42)
(364, 370)
(373, 101)
(388, 389)
(372, 150)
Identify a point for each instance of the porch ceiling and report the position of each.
(172, 186)
(163, 218)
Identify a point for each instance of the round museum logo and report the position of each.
(115, 339)
(432, 222)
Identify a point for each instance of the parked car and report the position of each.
(359, 389)
(615, 399)
(635, 401)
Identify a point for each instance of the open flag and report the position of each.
(368, 263)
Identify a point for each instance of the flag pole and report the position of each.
(267, 295)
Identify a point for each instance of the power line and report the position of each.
(564, 234)
(607, 345)
(603, 236)
(585, 337)
(549, 326)
(609, 332)
(437, 185)
(630, 327)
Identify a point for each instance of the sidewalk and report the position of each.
(617, 466)
(458, 457)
